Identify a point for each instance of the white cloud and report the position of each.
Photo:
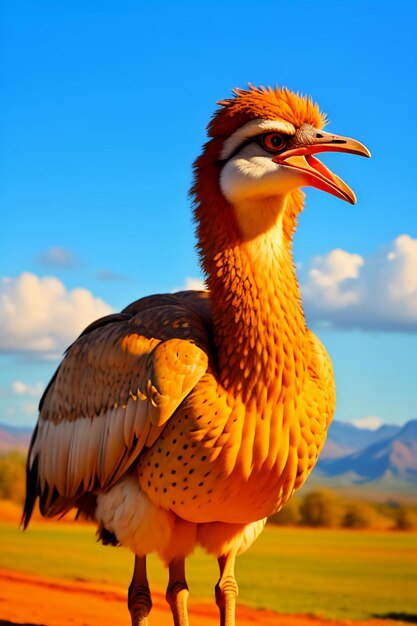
(20, 388)
(58, 258)
(192, 284)
(371, 422)
(332, 275)
(346, 290)
(197, 284)
(40, 316)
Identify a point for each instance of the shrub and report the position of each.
(287, 516)
(12, 476)
(359, 515)
(321, 508)
(405, 518)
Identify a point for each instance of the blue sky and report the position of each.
(103, 108)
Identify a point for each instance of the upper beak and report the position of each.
(309, 141)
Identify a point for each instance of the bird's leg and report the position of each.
(139, 595)
(226, 589)
(177, 592)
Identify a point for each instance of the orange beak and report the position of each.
(299, 156)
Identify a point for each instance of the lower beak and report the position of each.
(300, 157)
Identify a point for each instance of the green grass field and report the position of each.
(333, 573)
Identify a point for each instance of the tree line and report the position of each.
(323, 508)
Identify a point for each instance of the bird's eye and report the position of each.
(273, 142)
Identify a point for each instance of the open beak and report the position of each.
(299, 156)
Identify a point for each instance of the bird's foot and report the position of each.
(177, 598)
(140, 604)
(226, 593)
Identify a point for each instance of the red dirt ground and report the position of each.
(26, 600)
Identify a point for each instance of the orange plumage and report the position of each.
(189, 418)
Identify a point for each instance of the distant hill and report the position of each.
(395, 456)
(13, 438)
(385, 469)
(344, 438)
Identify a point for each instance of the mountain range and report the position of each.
(377, 463)
(389, 450)
(344, 438)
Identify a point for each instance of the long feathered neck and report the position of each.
(259, 326)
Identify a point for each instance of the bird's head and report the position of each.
(263, 144)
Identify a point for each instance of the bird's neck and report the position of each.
(258, 321)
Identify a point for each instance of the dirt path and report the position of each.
(26, 600)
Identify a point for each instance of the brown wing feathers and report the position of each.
(118, 384)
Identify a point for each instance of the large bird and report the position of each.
(189, 418)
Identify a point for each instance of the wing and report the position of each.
(118, 385)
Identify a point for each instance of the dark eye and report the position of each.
(273, 142)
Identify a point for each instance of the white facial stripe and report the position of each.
(251, 129)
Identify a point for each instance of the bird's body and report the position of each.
(189, 418)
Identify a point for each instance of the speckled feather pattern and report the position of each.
(202, 411)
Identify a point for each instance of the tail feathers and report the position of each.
(31, 492)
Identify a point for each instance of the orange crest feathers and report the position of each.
(265, 103)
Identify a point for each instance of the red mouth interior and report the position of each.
(319, 167)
